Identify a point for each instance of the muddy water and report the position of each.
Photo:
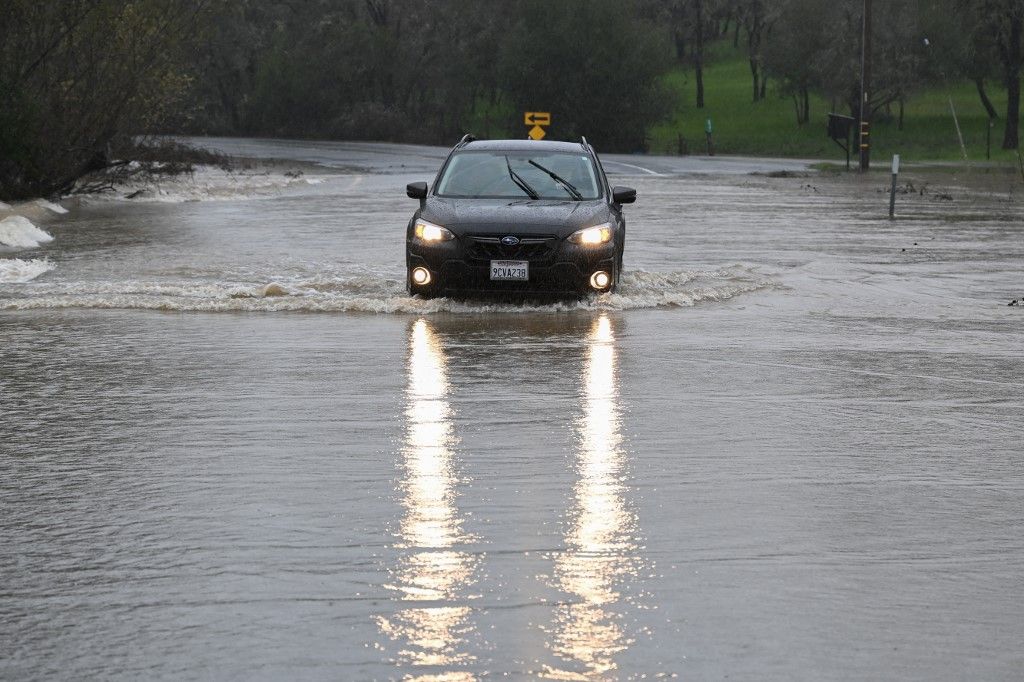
(789, 448)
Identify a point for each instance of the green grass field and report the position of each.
(768, 127)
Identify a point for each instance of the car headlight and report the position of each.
(429, 232)
(592, 236)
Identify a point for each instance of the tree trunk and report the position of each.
(698, 56)
(736, 35)
(803, 106)
(764, 87)
(679, 40)
(700, 84)
(985, 101)
(1011, 58)
(899, 125)
(1010, 134)
(755, 26)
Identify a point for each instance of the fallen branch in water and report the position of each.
(148, 160)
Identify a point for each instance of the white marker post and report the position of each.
(892, 190)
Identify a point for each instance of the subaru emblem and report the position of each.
(509, 240)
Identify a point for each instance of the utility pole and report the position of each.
(699, 55)
(865, 89)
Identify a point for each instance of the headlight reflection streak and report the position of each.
(432, 574)
(600, 538)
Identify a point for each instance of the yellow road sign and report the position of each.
(536, 133)
(537, 118)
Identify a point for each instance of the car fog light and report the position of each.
(421, 276)
(600, 280)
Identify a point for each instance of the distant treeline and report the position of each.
(423, 71)
(80, 78)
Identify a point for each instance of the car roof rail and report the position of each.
(466, 139)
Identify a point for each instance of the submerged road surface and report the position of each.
(789, 448)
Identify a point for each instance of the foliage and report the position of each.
(80, 77)
(600, 83)
(77, 75)
(412, 70)
(998, 26)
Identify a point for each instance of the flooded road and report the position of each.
(789, 448)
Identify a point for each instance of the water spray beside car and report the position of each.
(517, 217)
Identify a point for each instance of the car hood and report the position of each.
(514, 216)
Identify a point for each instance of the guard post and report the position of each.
(707, 134)
(839, 128)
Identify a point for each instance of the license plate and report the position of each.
(515, 270)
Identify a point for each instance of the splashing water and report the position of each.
(376, 294)
(18, 271)
(19, 232)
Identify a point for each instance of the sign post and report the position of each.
(839, 127)
(537, 119)
(892, 190)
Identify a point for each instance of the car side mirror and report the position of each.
(416, 190)
(622, 195)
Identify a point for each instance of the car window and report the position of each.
(484, 174)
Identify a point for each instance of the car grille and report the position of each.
(536, 248)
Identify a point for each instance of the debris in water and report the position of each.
(782, 174)
(50, 206)
(273, 289)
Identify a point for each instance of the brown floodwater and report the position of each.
(790, 447)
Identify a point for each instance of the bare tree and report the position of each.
(77, 75)
(1001, 22)
(754, 19)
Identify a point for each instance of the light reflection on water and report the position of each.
(433, 577)
(432, 573)
(600, 543)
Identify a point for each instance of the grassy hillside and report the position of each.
(768, 128)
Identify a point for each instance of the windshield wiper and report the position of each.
(520, 183)
(562, 182)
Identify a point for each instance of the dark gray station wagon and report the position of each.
(517, 216)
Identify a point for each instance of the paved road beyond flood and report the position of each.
(790, 448)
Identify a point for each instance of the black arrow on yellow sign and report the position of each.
(537, 118)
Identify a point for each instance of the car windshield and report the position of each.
(500, 174)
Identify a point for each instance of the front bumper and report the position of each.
(461, 266)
